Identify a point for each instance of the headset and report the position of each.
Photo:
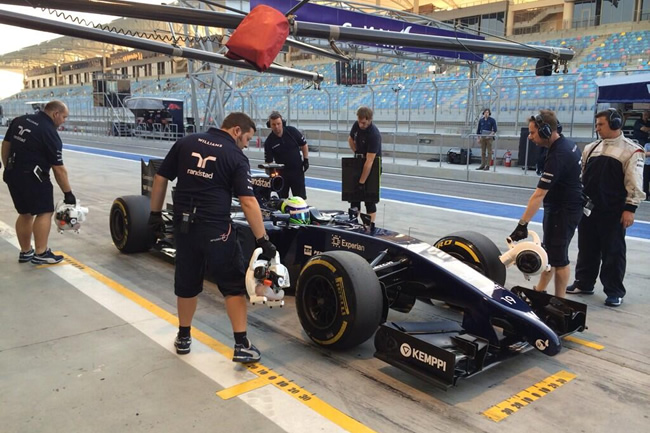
(615, 120)
(268, 122)
(544, 130)
(488, 110)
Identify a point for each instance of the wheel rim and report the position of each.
(320, 302)
(117, 225)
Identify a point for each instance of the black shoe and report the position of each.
(574, 290)
(182, 345)
(246, 354)
(481, 167)
(47, 258)
(613, 301)
(26, 257)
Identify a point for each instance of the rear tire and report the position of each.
(339, 300)
(128, 221)
(475, 250)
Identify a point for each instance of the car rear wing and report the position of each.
(148, 170)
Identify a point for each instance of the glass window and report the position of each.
(584, 13)
(616, 11)
(470, 22)
(494, 24)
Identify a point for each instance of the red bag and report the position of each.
(259, 37)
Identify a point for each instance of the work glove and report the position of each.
(156, 224)
(521, 232)
(268, 249)
(69, 198)
(305, 164)
(361, 188)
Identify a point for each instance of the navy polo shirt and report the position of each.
(367, 140)
(210, 168)
(286, 149)
(35, 141)
(561, 176)
(488, 124)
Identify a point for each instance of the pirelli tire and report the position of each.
(339, 300)
(477, 251)
(128, 223)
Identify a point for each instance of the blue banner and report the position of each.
(344, 18)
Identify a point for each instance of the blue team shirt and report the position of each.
(286, 149)
(35, 141)
(368, 140)
(488, 124)
(210, 168)
(561, 175)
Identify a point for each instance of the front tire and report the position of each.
(475, 250)
(339, 300)
(128, 223)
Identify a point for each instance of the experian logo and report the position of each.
(407, 352)
(339, 242)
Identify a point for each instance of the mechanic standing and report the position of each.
(611, 175)
(30, 148)
(365, 142)
(486, 129)
(284, 145)
(210, 167)
(560, 190)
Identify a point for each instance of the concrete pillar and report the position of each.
(567, 15)
(510, 21)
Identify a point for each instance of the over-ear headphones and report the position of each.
(488, 110)
(543, 129)
(275, 113)
(615, 120)
(559, 127)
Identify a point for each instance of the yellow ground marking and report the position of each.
(266, 376)
(587, 343)
(242, 388)
(523, 398)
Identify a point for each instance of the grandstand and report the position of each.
(409, 95)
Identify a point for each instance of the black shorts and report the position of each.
(559, 228)
(371, 207)
(211, 250)
(30, 196)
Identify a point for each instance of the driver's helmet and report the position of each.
(297, 209)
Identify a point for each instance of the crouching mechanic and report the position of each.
(30, 148)
(560, 190)
(210, 167)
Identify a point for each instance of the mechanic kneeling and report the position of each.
(210, 167)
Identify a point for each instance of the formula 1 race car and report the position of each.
(347, 274)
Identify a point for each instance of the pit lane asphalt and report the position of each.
(608, 383)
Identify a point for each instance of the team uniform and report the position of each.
(611, 174)
(35, 148)
(562, 202)
(367, 141)
(286, 150)
(210, 168)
